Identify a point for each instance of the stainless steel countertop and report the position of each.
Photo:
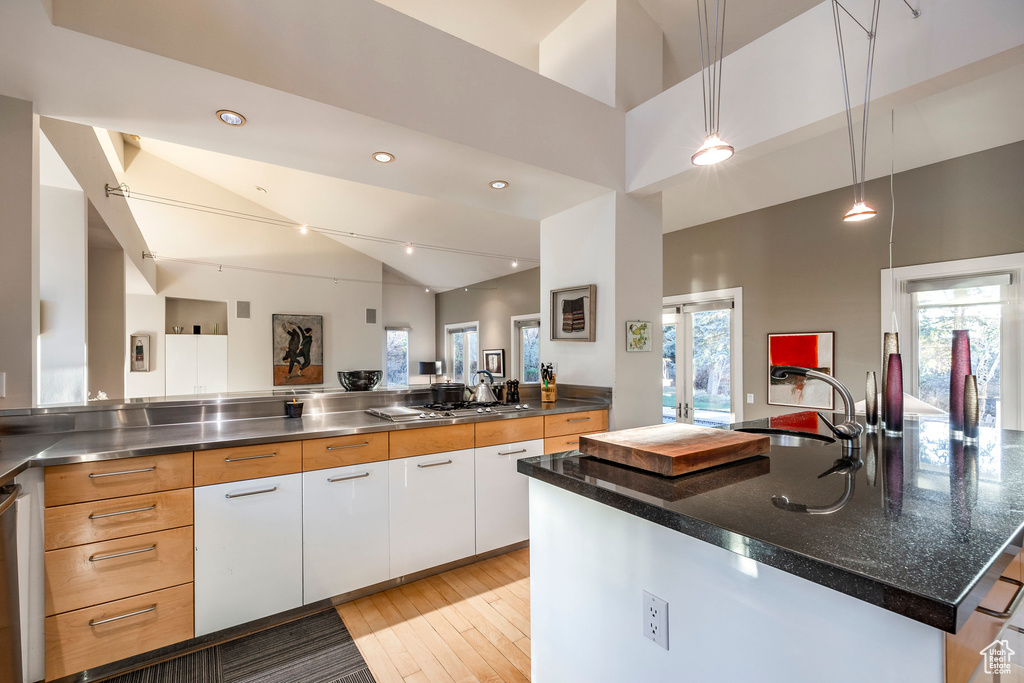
(41, 450)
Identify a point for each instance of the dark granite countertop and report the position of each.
(922, 533)
(20, 452)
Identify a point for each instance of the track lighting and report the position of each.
(408, 247)
(515, 263)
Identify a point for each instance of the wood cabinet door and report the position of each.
(432, 510)
(248, 550)
(502, 494)
(344, 529)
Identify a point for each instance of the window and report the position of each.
(526, 348)
(461, 352)
(926, 303)
(397, 357)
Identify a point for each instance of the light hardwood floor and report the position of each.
(469, 624)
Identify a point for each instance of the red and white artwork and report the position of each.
(814, 350)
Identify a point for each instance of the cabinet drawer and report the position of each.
(575, 423)
(87, 481)
(340, 451)
(557, 444)
(222, 465)
(105, 633)
(509, 431)
(103, 520)
(421, 441)
(100, 572)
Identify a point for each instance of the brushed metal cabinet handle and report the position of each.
(100, 558)
(93, 622)
(250, 493)
(1014, 602)
(355, 445)
(335, 480)
(521, 450)
(579, 419)
(250, 457)
(96, 475)
(121, 512)
(570, 443)
(424, 466)
(15, 491)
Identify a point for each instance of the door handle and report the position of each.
(686, 411)
(121, 512)
(97, 475)
(354, 445)
(424, 466)
(335, 480)
(14, 490)
(249, 493)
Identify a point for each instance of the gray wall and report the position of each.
(803, 269)
(493, 303)
(107, 336)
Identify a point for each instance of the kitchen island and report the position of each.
(763, 591)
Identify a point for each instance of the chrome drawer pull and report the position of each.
(115, 474)
(335, 480)
(434, 464)
(250, 457)
(355, 445)
(570, 443)
(249, 493)
(122, 512)
(521, 450)
(100, 558)
(1014, 603)
(93, 622)
(15, 491)
(579, 419)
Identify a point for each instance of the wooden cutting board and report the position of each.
(674, 449)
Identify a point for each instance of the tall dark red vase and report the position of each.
(959, 368)
(893, 406)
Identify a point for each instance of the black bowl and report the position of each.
(360, 380)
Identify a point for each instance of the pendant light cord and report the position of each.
(867, 96)
(711, 63)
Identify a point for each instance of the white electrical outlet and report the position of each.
(656, 619)
(750, 398)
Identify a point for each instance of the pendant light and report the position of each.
(860, 211)
(714, 148)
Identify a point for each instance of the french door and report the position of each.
(697, 363)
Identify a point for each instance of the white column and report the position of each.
(19, 257)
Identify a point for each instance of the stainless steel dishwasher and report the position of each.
(10, 630)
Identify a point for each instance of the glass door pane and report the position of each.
(529, 343)
(669, 405)
(711, 361)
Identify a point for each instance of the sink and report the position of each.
(787, 437)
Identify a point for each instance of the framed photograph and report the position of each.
(138, 349)
(298, 342)
(638, 336)
(572, 313)
(494, 362)
(814, 350)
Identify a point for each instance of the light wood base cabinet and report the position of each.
(93, 636)
(248, 550)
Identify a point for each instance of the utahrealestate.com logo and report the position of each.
(997, 657)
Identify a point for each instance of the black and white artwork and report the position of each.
(298, 349)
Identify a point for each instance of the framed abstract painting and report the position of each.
(814, 350)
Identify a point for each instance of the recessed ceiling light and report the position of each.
(134, 137)
(383, 157)
(304, 229)
(260, 189)
(499, 184)
(232, 118)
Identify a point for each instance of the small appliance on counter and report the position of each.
(441, 411)
(548, 388)
(360, 380)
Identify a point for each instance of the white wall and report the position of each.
(580, 52)
(349, 342)
(407, 304)
(63, 289)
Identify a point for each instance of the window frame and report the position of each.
(449, 356)
(517, 352)
(408, 354)
(897, 299)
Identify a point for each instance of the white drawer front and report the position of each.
(432, 510)
(502, 494)
(344, 529)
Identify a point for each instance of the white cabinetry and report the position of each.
(345, 529)
(502, 494)
(432, 510)
(248, 557)
(196, 364)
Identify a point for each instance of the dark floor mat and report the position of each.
(315, 649)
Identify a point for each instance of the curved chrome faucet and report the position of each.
(847, 466)
(849, 430)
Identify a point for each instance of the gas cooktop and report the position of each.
(441, 411)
